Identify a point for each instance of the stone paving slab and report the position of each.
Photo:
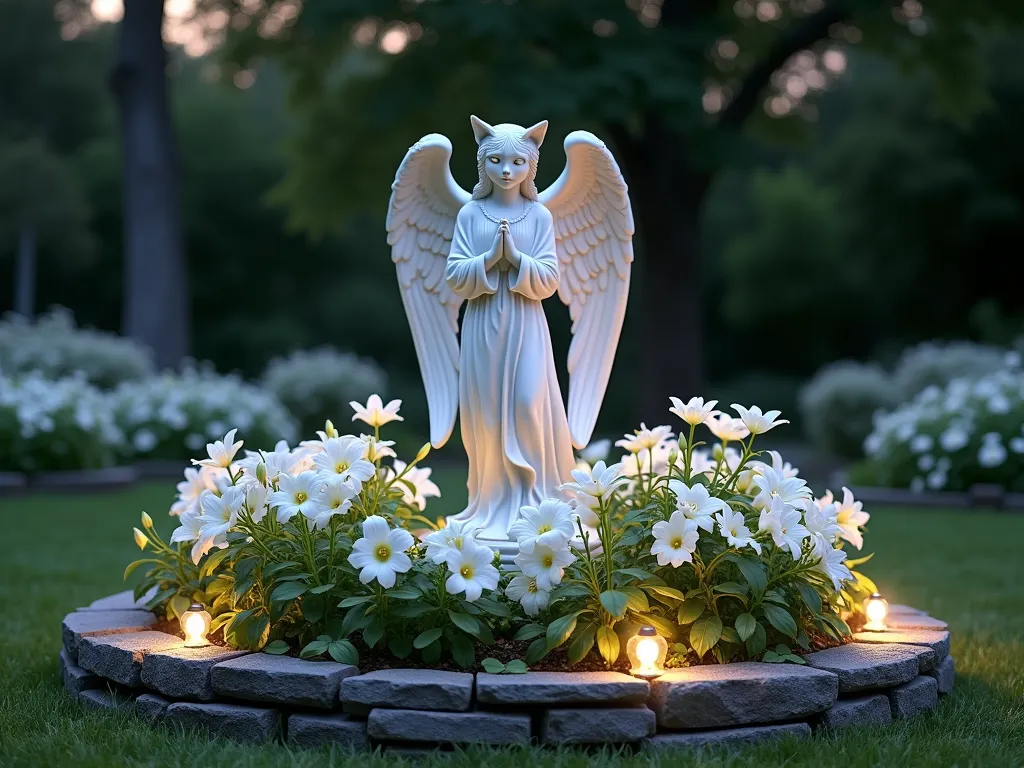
(312, 731)
(120, 601)
(74, 677)
(925, 656)
(864, 667)
(915, 697)
(184, 673)
(945, 674)
(597, 725)
(895, 609)
(745, 693)
(119, 657)
(551, 688)
(151, 707)
(104, 698)
(233, 721)
(91, 623)
(727, 737)
(915, 621)
(863, 710)
(409, 689)
(448, 727)
(937, 641)
(281, 679)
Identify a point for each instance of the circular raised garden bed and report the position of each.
(112, 657)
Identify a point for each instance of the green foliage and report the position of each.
(839, 403)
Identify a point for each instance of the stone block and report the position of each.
(92, 623)
(151, 707)
(119, 657)
(448, 727)
(895, 609)
(937, 641)
(75, 678)
(863, 710)
(552, 688)
(915, 621)
(727, 737)
(281, 679)
(597, 725)
(312, 731)
(410, 689)
(915, 697)
(184, 673)
(232, 721)
(104, 698)
(120, 601)
(944, 674)
(865, 667)
(745, 693)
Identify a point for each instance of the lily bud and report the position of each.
(147, 521)
(423, 452)
(140, 538)
(329, 429)
(261, 472)
(672, 456)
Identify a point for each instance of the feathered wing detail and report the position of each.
(594, 238)
(425, 200)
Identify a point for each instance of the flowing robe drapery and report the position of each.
(514, 425)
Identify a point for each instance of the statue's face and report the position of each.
(506, 166)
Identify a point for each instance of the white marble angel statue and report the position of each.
(504, 249)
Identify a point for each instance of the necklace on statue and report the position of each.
(516, 220)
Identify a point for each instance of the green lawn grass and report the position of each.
(60, 552)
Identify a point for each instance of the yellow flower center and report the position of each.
(300, 497)
(457, 542)
(532, 586)
(548, 560)
(676, 543)
(383, 553)
(341, 466)
(336, 504)
(466, 571)
(544, 529)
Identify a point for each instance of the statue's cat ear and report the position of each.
(535, 133)
(481, 130)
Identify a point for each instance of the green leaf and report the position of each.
(425, 638)
(315, 648)
(608, 644)
(666, 628)
(538, 650)
(313, 607)
(272, 570)
(570, 590)
(636, 573)
(560, 629)
(405, 592)
(704, 633)
(730, 635)
(840, 626)
(792, 658)
(289, 590)
(343, 652)
(432, 653)
(773, 595)
(354, 620)
(636, 599)
(517, 667)
(179, 604)
(400, 646)
(810, 597)
(752, 571)
(664, 591)
(465, 622)
(493, 666)
(758, 641)
(411, 610)
(132, 566)
(321, 589)
(690, 610)
(462, 651)
(530, 631)
(614, 602)
(276, 647)
(349, 602)
(745, 625)
(730, 588)
(851, 564)
(581, 644)
(373, 633)
(779, 618)
(493, 607)
(771, 657)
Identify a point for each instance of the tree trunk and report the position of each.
(667, 197)
(155, 287)
(25, 273)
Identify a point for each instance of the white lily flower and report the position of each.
(695, 411)
(343, 456)
(735, 531)
(597, 482)
(725, 427)
(378, 449)
(256, 497)
(782, 467)
(380, 553)
(543, 563)
(221, 452)
(191, 488)
(675, 540)
(452, 538)
(472, 570)
(772, 484)
(375, 413)
(524, 590)
(550, 523)
(220, 513)
(831, 562)
(849, 515)
(419, 479)
(820, 519)
(297, 495)
(783, 522)
(277, 462)
(696, 503)
(758, 423)
(644, 438)
(335, 498)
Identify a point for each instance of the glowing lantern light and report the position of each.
(195, 623)
(647, 651)
(876, 608)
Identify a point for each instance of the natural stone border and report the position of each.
(112, 659)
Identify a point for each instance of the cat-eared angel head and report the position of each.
(504, 138)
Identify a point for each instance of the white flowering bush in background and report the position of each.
(936, 364)
(56, 348)
(172, 416)
(950, 438)
(55, 424)
(326, 549)
(839, 403)
(314, 384)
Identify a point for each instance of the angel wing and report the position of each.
(594, 239)
(425, 200)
